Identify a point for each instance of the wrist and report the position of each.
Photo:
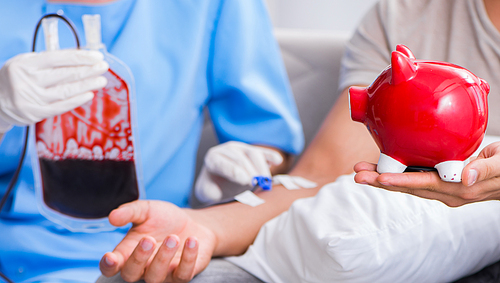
(203, 219)
(226, 225)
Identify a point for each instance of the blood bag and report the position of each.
(87, 160)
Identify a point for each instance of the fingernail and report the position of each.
(191, 243)
(385, 183)
(146, 245)
(108, 261)
(472, 177)
(171, 243)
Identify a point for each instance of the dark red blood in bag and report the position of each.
(87, 188)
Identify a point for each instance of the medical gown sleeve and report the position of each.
(251, 99)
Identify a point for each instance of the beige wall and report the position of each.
(332, 15)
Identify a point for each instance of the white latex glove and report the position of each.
(35, 86)
(235, 161)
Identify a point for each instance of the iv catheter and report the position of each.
(262, 182)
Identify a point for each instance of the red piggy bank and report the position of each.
(423, 113)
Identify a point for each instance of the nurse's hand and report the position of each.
(237, 162)
(165, 244)
(480, 180)
(35, 86)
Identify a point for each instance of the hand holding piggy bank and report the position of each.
(423, 113)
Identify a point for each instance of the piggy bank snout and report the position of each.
(358, 100)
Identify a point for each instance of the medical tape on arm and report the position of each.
(293, 182)
(289, 182)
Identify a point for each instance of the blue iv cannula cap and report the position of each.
(266, 183)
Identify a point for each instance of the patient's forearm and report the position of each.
(236, 225)
(339, 145)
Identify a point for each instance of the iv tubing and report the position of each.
(13, 181)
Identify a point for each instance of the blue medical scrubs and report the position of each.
(185, 55)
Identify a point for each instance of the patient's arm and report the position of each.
(339, 144)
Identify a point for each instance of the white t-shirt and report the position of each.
(455, 31)
(357, 233)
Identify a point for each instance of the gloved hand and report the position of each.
(35, 86)
(235, 161)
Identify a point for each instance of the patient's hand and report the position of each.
(480, 180)
(163, 235)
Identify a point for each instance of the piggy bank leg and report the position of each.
(387, 164)
(451, 171)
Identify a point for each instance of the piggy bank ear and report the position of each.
(403, 68)
(405, 50)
